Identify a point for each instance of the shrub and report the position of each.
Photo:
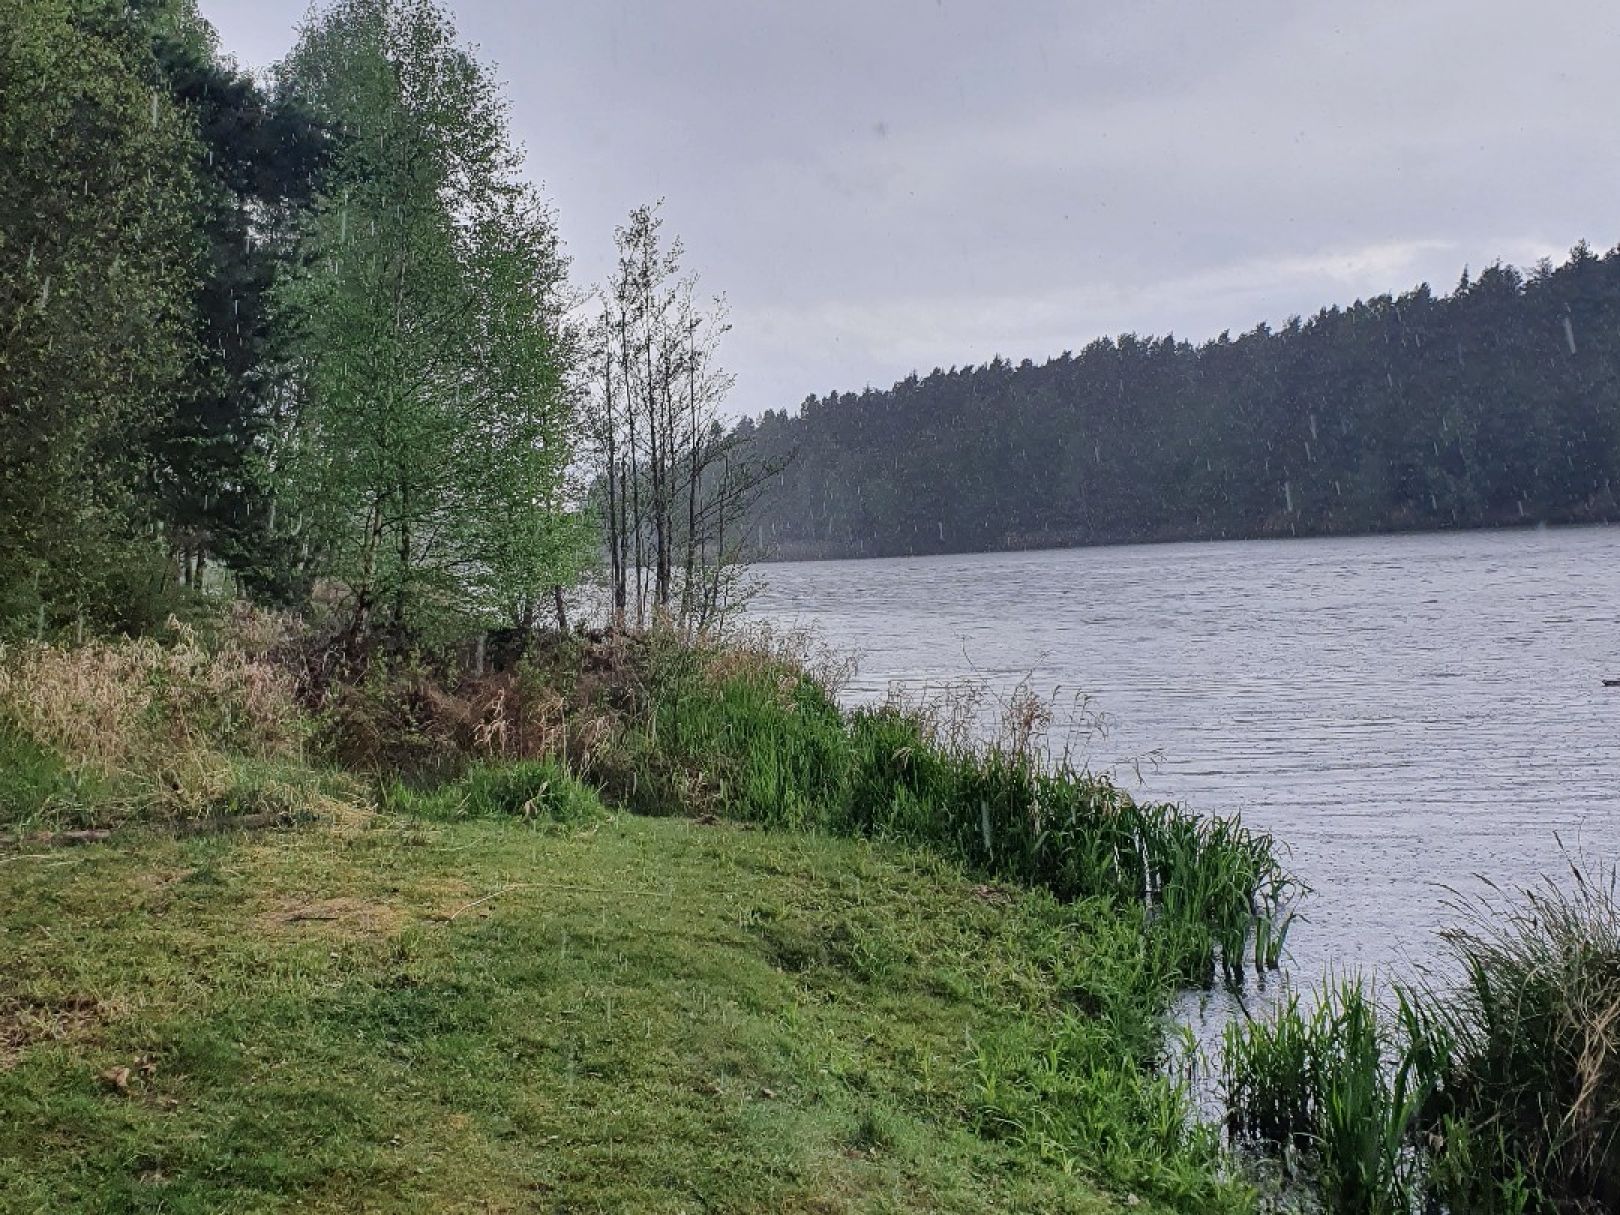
(533, 789)
(741, 735)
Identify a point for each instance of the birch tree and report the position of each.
(425, 456)
(672, 484)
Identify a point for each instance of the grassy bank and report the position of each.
(836, 962)
(620, 1014)
(627, 924)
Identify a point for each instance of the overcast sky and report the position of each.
(887, 185)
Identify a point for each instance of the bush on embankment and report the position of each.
(1497, 1093)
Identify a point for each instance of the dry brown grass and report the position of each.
(759, 648)
(975, 714)
(346, 918)
(172, 729)
(422, 722)
(141, 706)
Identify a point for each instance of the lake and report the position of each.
(1409, 715)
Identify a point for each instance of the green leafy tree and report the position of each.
(259, 164)
(422, 465)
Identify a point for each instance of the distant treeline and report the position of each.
(1495, 405)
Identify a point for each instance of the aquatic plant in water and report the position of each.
(1498, 1092)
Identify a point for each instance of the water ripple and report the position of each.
(1411, 714)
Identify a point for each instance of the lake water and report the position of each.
(1410, 715)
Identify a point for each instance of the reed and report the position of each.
(1333, 1086)
(1533, 1073)
(1497, 1092)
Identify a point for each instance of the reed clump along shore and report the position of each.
(1494, 1090)
(637, 922)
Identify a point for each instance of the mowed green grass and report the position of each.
(637, 1015)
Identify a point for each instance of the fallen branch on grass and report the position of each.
(196, 826)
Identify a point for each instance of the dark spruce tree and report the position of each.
(260, 161)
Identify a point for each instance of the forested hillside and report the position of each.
(1495, 405)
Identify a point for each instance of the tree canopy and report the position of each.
(99, 248)
(423, 462)
(306, 332)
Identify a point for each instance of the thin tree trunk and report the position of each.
(666, 499)
(635, 475)
(615, 521)
(654, 459)
(692, 476)
(397, 625)
(368, 569)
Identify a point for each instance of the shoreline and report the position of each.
(1397, 533)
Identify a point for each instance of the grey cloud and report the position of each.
(882, 185)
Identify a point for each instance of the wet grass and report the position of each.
(956, 1003)
(626, 1014)
(526, 789)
